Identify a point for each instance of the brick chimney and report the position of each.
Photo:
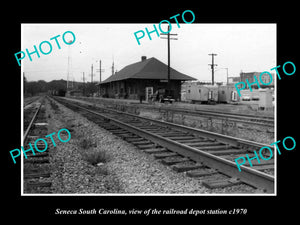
(144, 58)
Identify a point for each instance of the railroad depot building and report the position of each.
(131, 81)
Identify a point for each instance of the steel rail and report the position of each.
(30, 101)
(223, 116)
(235, 117)
(248, 175)
(233, 141)
(229, 117)
(217, 113)
(30, 124)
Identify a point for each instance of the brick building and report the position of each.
(250, 76)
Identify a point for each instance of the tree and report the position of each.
(91, 88)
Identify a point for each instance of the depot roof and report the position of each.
(150, 68)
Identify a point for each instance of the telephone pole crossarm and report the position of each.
(168, 37)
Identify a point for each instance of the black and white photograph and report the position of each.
(179, 115)
(156, 113)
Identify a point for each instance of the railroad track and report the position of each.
(36, 168)
(203, 154)
(28, 101)
(256, 120)
(235, 117)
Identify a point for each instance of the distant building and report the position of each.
(233, 80)
(266, 79)
(132, 81)
(250, 77)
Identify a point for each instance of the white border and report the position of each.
(141, 194)
(22, 115)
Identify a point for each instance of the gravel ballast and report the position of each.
(122, 168)
(128, 170)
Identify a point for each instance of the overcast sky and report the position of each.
(240, 47)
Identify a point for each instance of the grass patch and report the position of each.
(94, 156)
(54, 106)
(90, 152)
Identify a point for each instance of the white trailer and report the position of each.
(228, 94)
(201, 93)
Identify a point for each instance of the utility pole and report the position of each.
(100, 72)
(100, 78)
(69, 72)
(83, 89)
(212, 67)
(168, 34)
(92, 74)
